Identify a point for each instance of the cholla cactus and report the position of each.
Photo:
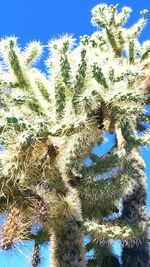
(35, 256)
(13, 230)
(50, 123)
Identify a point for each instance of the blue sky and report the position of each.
(43, 20)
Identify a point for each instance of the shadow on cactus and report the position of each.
(49, 124)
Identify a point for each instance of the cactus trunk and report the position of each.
(134, 209)
(67, 245)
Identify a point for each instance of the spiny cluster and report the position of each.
(35, 256)
(49, 125)
(11, 229)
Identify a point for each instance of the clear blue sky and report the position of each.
(42, 20)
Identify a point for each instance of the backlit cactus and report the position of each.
(49, 124)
